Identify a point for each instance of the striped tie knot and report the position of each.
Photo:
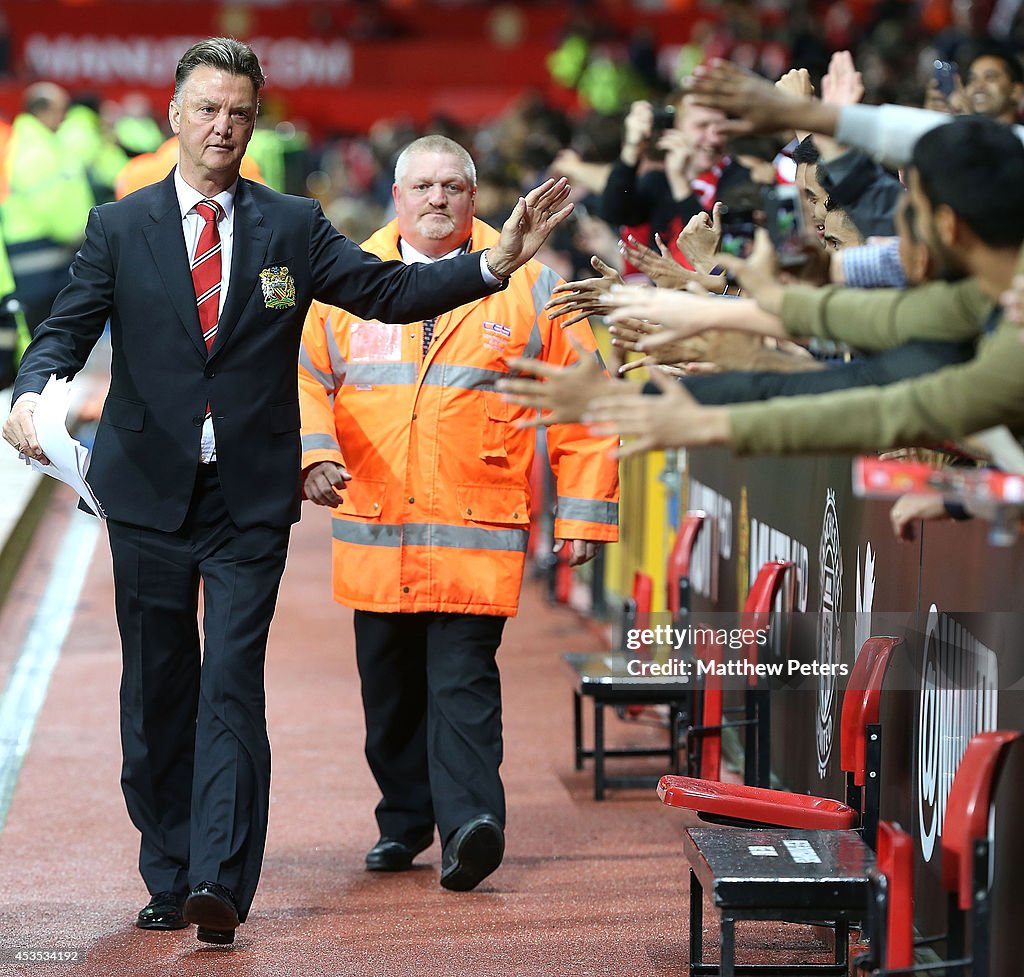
(209, 210)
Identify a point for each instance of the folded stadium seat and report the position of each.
(889, 925)
(797, 872)
(604, 677)
(966, 852)
(859, 756)
(703, 739)
(761, 601)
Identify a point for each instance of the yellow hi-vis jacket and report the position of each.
(437, 513)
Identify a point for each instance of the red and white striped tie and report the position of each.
(206, 269)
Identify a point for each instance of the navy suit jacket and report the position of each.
(134, 270)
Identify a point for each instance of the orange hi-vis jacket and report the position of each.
(437, 513)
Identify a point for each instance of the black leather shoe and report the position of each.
(475, 850)
(212, 908)
(389, 855)
(162, 912)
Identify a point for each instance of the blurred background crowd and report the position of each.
(554, 84)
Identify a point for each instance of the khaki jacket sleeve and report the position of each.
(950, 403)
(881, 318)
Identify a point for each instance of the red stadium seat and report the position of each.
(605, 679)
(860, 753)
(966, 850)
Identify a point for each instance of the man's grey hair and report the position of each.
(435, 144)
(223, 53)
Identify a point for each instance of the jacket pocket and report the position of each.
(126, 414)
(284, 418)
(493, 505)
(495, 429)
(363, 497)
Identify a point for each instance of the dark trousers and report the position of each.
(432, 701)
(196, 774)
(41, 270)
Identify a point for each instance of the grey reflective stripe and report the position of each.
(366, 533)
(319, 442)
(587, 510)
(466, 537)
(425, 534)
(306, 362)
(535, 346)
(381, 374)
(338, 365)
(463, 377)
(543, 287)
(37, 260)
(540, 293)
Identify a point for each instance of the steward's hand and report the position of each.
(324, 483)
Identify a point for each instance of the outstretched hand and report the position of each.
(842, 84)
(678, 315)
(584, 298)
(659, 266)
(755, 104)
(529, 225)
(673, 420)
(757, 274)
(700, 239)
(628, 334)
(560, 393)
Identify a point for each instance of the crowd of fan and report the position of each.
(747, 217)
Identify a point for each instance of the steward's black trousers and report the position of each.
(432, 701)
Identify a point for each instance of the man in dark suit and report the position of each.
(206, 279)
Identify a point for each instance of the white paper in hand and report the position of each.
(69, 460)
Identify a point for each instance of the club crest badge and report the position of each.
(278, 287)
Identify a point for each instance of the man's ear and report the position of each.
(174, 116)
(948, 226)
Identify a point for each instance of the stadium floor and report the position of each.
(586, 888)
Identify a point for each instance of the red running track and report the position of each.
(585, 889)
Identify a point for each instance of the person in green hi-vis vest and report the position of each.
(47, 204)
(13, 328)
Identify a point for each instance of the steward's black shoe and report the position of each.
(212, 908)
(162, 912)
(475, 850)
(389, 855)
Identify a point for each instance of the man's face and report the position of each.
(214, 120)
(435, 203)
(53, 115)
(840, 231)
(703, 132)
(812, 198)
(944, 261)
(991, 91)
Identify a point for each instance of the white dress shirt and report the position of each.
(192, 226)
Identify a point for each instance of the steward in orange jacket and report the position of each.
(149, 168)
(431, 517)
(437, 513)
